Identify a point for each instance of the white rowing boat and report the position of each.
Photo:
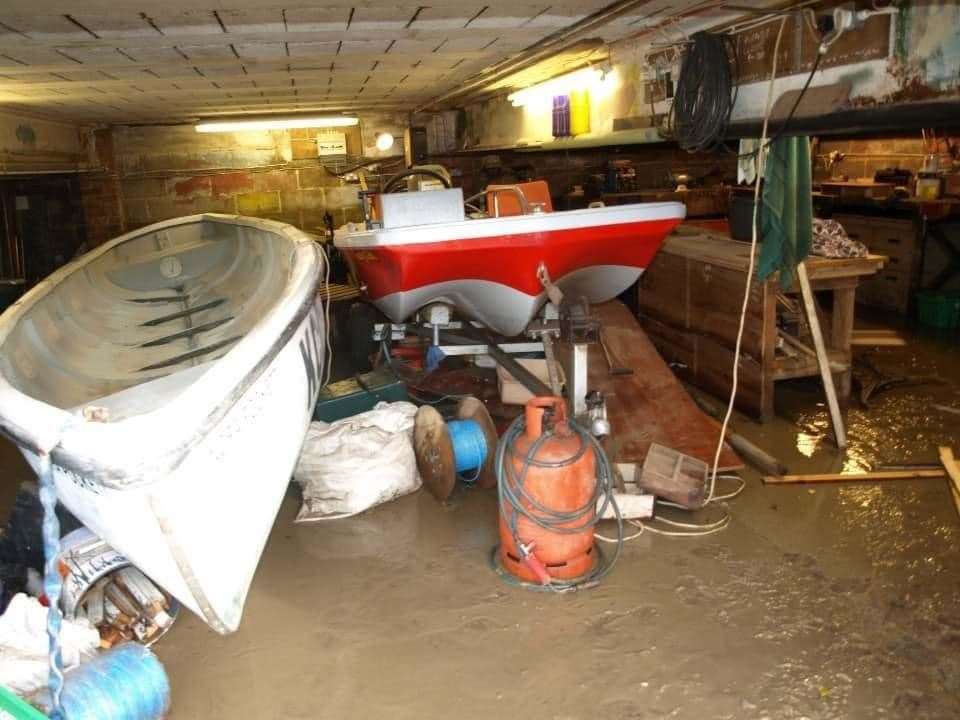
(170, 375)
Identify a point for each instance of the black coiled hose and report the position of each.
(705, 93)
(515, 501)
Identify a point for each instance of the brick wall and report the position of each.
(655, 164)
(102, 208)
(864, 156)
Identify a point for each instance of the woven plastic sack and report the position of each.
(356, 463)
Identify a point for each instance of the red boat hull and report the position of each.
(494, 278)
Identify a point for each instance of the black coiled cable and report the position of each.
(705, 93)
(515, 501)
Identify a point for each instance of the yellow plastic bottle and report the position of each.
(579, 112)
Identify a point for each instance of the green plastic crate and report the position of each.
(13, 708)
(938, 309)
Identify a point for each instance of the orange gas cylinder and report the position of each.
(548, 495)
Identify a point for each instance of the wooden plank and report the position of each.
(836, 417)
(755, 455)
(952, 468)
(841, 332)
(650, 405)
(853, 477)
(877, 338)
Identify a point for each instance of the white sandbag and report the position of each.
(353, 464)
(24, 663)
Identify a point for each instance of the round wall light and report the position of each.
(384, 141)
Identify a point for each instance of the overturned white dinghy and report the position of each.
(170, 375)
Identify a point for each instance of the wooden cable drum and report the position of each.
(437, 452)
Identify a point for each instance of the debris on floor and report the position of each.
(101, 586)
(673, 476)
(24, 649)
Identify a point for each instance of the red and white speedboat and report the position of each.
(488, 269)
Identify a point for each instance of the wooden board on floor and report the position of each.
(650, 405)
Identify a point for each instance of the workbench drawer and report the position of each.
(857, 226)
(889, 289)
(894, 238)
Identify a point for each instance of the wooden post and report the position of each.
(809, 304)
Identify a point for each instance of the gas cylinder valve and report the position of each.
(533, 562)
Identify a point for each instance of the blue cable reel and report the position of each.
(463, 448)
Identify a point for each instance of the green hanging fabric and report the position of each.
(786, 209)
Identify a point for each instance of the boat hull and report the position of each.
(493, 277)
(172, 444)
(199, 531)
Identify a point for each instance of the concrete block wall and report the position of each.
(153, 173)
(297, 195)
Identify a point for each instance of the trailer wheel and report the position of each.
(360, 324)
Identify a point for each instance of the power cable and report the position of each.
(705, 93)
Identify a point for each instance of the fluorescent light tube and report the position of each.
(277, 124)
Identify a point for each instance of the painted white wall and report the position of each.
(29, 144)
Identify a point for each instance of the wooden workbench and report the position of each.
(690, 300)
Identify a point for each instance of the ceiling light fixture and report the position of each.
(587, 78)
(384, 141)
(277, 124)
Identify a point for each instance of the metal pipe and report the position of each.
(550, 45)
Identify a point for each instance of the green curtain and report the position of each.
(786, 209)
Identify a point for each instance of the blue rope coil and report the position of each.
(469, 447)
(125, 683)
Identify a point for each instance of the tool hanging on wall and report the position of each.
(462, 448)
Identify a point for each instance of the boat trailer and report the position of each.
(563, 333)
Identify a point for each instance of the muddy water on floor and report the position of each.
(827, 602)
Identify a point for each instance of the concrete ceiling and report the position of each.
(133, 62)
